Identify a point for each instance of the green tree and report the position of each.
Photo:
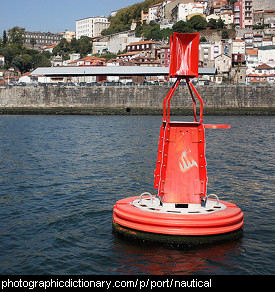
(138, 29)
(212, 23)
(107, 55)
(220, 24)
(33, 42)
(166, 32)
(5, 39)
(153, 33)
(17, 63)
(84, 46)
(182, 27)
(16, 36)
(225, 34)
(197, 22)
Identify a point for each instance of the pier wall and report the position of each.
(131, 97)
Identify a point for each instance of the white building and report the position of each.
(266, 54)
(25, 78)
(154, 12)
(227, 17)
(248, 38)
(238, 47)
(223, 63)
(251, 60)
(265, 69)
(208, 52)
(68, 35)
(115, 42)
(100, 47)
(182, 10)
(212, 16)
(91, 26)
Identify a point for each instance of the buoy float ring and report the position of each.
(149, 219)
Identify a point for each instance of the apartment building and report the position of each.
(223, 63)
(238, 47)
(266, 54)
(142, 46)
(247, 16)
(248, 39)
(182, 10)
(154, 12)
(68, 35)
(238, 14)
(37, 39)
(91, 26)
(164, 56)
(265, 17)
(144, 16)
(251, 59)
(227, 17)
(115, 42)
(208, 52)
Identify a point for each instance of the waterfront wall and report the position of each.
(131, 97)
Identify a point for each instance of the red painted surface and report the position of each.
(224, 221)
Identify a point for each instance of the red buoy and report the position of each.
(182, 211)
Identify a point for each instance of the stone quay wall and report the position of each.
(136, 97)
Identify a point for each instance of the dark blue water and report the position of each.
(61, 175)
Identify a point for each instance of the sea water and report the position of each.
(61, 175)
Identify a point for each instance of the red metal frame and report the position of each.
(180, 174)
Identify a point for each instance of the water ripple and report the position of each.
(61, 176)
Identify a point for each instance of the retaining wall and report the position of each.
(131, 97)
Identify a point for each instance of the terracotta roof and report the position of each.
(251, 52)
(263, 66)
(50, 46)
(257, 75)
(156, 4)
(143, 43)
(129, 54)
(253, 75)
(265, 11)
(88, 59)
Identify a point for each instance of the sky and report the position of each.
(54, 15)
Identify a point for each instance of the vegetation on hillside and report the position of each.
(82, 46)
(17, 55)
(195, 24)
(123, 19)
(25, 59)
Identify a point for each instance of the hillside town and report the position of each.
(238, 40)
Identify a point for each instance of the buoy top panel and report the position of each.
(184, 55)
(182, 178)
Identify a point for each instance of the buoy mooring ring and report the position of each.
(182, 212)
